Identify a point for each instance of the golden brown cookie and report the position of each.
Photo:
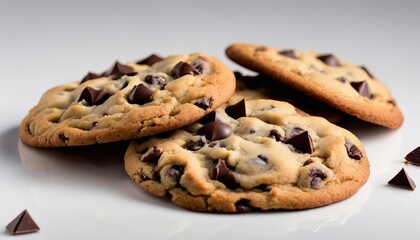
(252, 155)
(344, 86)
(129, 101)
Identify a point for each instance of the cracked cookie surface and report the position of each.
(342, 85)
(254, 155)
(129, 101)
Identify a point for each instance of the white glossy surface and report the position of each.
(84, 193)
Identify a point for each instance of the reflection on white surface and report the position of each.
(90, 187)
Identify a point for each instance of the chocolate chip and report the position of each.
(93, 96)
(204, 102)
(302, 142)
(307, 162)
(237, 110)
(156, 174)
(90, 76)
(63, 137)
(352, 150)
(243, 206)
(263, 158)
(118, 70)
(217, 144)
(200, 64)
(342, 79)
(367, 71)
(402, 180)
(413, 157)
(220, 172)
(274, 134)
(290, 53)
(23, 223)
(330, 60)
(132, 74)
(362, 88)
(212, 117)
(260, 160)
(140, 95)
(251, 130)
(150, 60)
(317, 177)
(215, 131)
(175, 172)
(155, 80)
(152, 155)
(183, 68)
(196, 145)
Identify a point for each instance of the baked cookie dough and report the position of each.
(255, 155)
(129, 101)
(344, 86)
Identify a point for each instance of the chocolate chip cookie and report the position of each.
(344, 86)
(255, 155)
(129, 101)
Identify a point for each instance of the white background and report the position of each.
(85, 193)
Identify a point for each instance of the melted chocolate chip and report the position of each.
(118, 70)
(23, 223)
(317, 177)
(156, 174)
(402, 180)
(140, 95)
(413, 157)
(274, 134)
(290, 53)
(237, 110)
(367, 71)
(93, 96)
(302, 142)
(150, 60)
(352, 150)
(152, 155)
(183, 68)
(90, 76)
(215, 131)
(212, 117)
(175, 172)
(330, 60)
(362, 88)
(200, 64)
(342, 79)
(204, 102)
(243, 206)
(155, 80)
(63, 137)
(220, 172)
(196, 145)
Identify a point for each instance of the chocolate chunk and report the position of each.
(212, 117)
(362, 88)
(140, 95)
(330, 60)
(175, 172)
(156, 174)
(342, 79)
(413, 157)
(367, 71)
(274, 134)
(155, 80)
(307, 162)
(152, 155)
(352, 150)
(118, 70)
(237, 110)
(317, 177)
(215, 131)
(243, 206)
(93, 96)
(204, 102)
(150, 60)
(290, 53)
(196, 145)
(220, 172)
(183, 68)
(90, 76)
(23, 223)
(402, 180)
(302, 142)
(200, 64)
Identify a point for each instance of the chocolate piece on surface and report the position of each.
(302, 142)
(402, 180)
(183, 68)
(237, 110)
(215, 131)
(204, 102)
(362, 88)
(330, 60)
(140, 95)
(352, 150)
(150, 60)
(413, 157)
(290, 53)
(93, 96)
(23, 223)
